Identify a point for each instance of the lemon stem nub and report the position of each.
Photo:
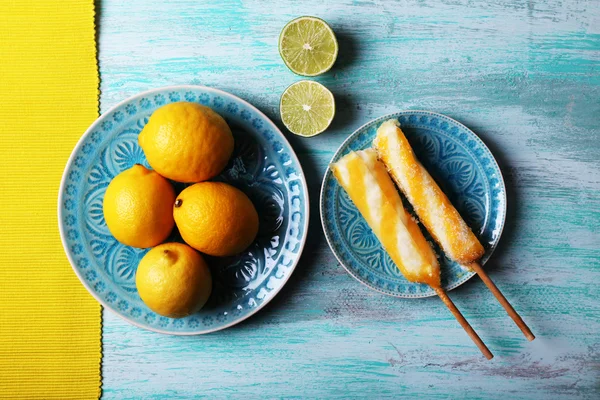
(171, 256)
(178, 203)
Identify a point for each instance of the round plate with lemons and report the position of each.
(263, 166)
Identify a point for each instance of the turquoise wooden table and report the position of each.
(525, 76)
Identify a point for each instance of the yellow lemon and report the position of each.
(186, 142)
(216, 218)
(138, 207)
(173, 280)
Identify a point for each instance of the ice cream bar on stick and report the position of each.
(433, 208)
(372, 191)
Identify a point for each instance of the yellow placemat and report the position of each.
(50, 327)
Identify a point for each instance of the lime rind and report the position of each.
(308, 46)
(307, 108)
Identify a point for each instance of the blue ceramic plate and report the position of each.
(466, 171)
(263, 165)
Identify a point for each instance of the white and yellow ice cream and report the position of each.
(432, 206)
(368, 184)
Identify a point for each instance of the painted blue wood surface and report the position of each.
(525, 76)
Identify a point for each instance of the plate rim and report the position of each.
(469, 274)
(79, 145)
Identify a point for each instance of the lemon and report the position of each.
(173, 280)
(138, 206)
(308, 46)
(216, 218)
(186, 142)
(307, 108)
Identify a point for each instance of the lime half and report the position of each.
(307, 108)
(308, 46)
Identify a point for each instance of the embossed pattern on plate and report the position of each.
(464, 168)
(263, 165)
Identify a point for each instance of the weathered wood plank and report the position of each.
(525, 76)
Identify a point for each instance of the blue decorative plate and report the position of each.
(465, 170)
(263, 165)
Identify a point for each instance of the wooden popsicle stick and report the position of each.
(502, 300)
(463, 322)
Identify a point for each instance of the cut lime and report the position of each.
(308, 46)
(307, 108)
